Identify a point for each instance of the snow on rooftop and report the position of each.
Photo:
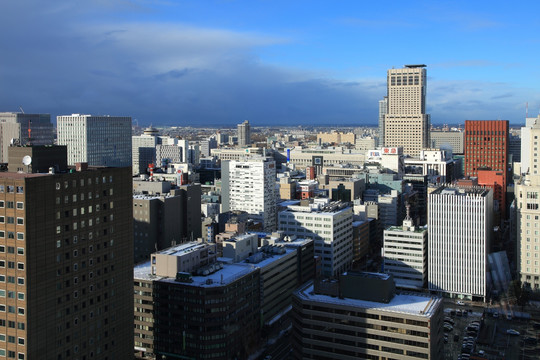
(226, 275)
(404, 303)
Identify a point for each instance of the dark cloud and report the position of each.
(75, 57)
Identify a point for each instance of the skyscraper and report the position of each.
(383, 109)
(406, 123)
(459, 236)
(250, 186)
(35, 129)
(528, 208)
(65, 259)
(486, 148)
(244, 134)
(96, 140)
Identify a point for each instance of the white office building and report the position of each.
(528, 207)
(330, 226)
(97, 140)
(250, 186)
(460, 227)
(405, 254)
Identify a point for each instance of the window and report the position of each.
(20, 221)
(10, 205)
(20, 236)
(2, 219)
(20, 281)
(2, 234)
(11, 235)
(1, 203)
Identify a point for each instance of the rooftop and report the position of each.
(403, 303)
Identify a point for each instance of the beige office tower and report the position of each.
(528, 207)
(66, 258)
(406, 123)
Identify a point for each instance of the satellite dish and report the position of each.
(26, 160)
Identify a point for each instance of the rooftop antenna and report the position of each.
(527, 109)
(20, 108)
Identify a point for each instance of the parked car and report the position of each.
(508, 317)
(512, 332)
(496, 314)
(460, 303)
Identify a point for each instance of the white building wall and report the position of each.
(460, 225)
(98, 140)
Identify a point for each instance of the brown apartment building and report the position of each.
(66, 258)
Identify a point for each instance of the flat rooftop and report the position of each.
(228, 274)
(402, 303)
(462, 191)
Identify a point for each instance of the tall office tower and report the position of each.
(528, 209)
(244, 134)
(460, 226)
(207, 145)
(144, 150)
(405, 254)
(24, 129)
(383, 109)
(361, 316)
(448, 140)
(330, 225)
(96, 140)
(486, 148)
(250, 186)
(406, 123)
(66, 258)
(530, 122)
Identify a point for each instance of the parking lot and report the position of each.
(496, 338)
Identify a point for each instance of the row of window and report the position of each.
(11, 204)
(82, 182)
(12, 189)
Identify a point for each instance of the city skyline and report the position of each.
(183, 63)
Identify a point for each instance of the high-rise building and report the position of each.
(330, 225)
(448, 140)
(24, 129)
(361, 316)
(406, 123)
(144, 150)
(528, 209)
(459, 237)
(244, 134)
(66, 259)
(383, 109)
(405, 254)
(96, 140)
(486, 148)
(250, 186)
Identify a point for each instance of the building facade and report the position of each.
(244, 134)
(250, 186)
(460, 227)
(448, 140)
(528, 211)
(96, 140)
(406, 123)
(405, 255)
(337, 321)
(25, 129)
(66, 263)
(330, 226)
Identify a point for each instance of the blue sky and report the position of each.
(271, 62)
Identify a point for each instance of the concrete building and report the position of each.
(448, 140)
(24, 129)
(221, 301)
(459, 239)
(319, 157)
(96, 140)
(250, 186)
(365, 143)
(406, 123)
(336, 137)
(144, 150)
(163, 219)
(343, 321)
(383, 109)
(528, 210)
(437, 164)
(244, 134)
(225, 154)
(66, 260)
(405, 255)
(330, 226)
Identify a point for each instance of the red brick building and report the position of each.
(486, 148)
